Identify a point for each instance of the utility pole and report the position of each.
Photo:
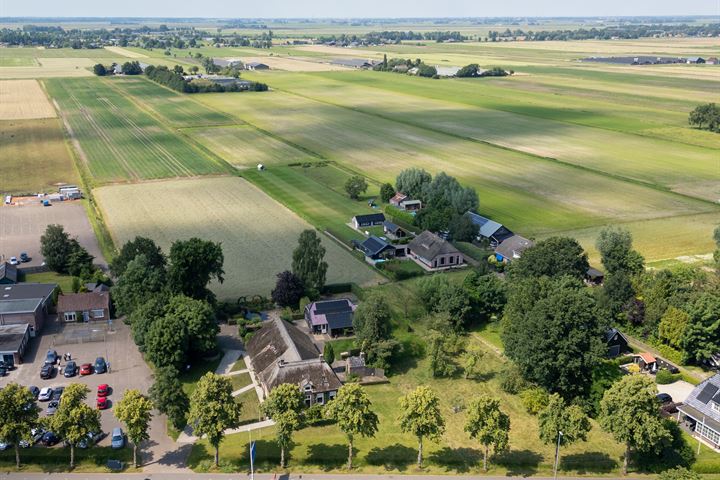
(557, 455)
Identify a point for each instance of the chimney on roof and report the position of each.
(281, 363)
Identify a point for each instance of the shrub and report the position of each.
(664, 377)
(304, 302)
(511, 380)
(287, 314)
(534, 399)
(314, 414)
(669, 353)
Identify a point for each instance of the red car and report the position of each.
(86, 369)
(102, 403)
(103, 390)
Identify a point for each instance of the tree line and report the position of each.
(629, 31)
(174, 79)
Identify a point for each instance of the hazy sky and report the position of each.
(352, 8)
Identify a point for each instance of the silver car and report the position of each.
(117, 439)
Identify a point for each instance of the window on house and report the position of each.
(320, 398)
(98, 313)
(308, 387)
(331, 396)
(451, 260)
(715, 406)
(70, 316)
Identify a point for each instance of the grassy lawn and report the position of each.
(64, 281)
(490, 332)
(57, 459)
(190, 378)
(239, 365)
(342, 345)
(239, 381)
(473, 251)
(251, 406)
(707, 460)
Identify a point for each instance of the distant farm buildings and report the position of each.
(648, 60)
(256, 66)
(353, 62)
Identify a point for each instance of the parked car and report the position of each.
(102, 403)
(117, 439)
(92, 439)
(100, 365)
(37, 434)
(47, 371)
(5, 445)
(3, 371)
(86, 369)
(51, 357)
(6, 365)
(45, 394)
(52, 407)
(24, 258)
(35, 391)
(664, 398)
(49, 439)
(103, 390)
(57, 393)
(70, 369)
(14, 261)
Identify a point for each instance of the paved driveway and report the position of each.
(679, 390)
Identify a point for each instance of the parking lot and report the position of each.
(22, 225)
(86, 342)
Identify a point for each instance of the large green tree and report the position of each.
(352, 411)
(74, 419)
(552, 257)
(138, 283)
(616, 252)
(630, 413)
(134, 411)
(562, 424)
(198, 318)
(213, 410)
(552, 332)
(193, 264)
(144, 316)
(56, 247)
(412, 182)
(489, 425)
(356, 185)
(486, 294)
(706, 117)
(308, 262)
(701, 337)
(671, 328)
(387, 191)
(372, 325)
(289, 289)
(167, 342)
(18, 415)
(420, 416)
(168, 396)
(154, 256)
(284, 405)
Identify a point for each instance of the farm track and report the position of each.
(642, 183)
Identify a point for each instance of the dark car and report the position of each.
(47, 371)
(57, 393)
(100, 365)
(49, 439)
(70, 369)
(24, 257)
(51, 358)
(6, 365)
(35, 391)
(52, 407)
(664, 398)
(3, 371)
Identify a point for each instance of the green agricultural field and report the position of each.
(118, 141)
(176, 109)
(258, 235)
(35, 157)
(466, 108)
(243, 146)
(533, 196)
(301, 190)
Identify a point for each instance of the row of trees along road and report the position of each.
(73, 420)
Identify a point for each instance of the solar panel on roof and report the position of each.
(716, 398)
(332, 306)
(707, 393)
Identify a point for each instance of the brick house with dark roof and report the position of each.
(76, 307)
(280, 353)
(434, 253)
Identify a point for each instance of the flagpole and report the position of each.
(252, 457)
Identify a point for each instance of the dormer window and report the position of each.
(308, 387)
(715, 406)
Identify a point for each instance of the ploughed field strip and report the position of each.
(121, 142)
(258, 234)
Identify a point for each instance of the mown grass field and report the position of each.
(35, 157)
(258, 234)
(121, 142)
